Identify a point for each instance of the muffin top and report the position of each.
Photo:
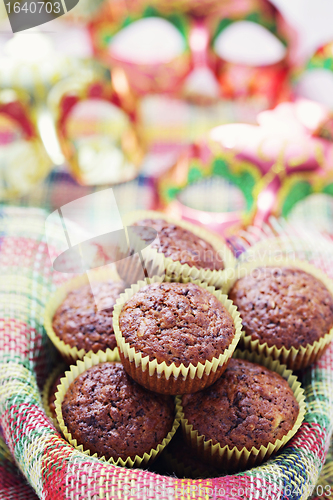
(79, 323)
(249, 405)
(181, 245)
(283, 306)
(176, 323)
(113, 416)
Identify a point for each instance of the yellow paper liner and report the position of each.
(175, 269)
(232, 459)
(71, 354)
(172, 379)
(294, 358)
(75, 371)
(46, 391)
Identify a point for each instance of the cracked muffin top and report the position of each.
(249, 405)
(283, 306)
(113, 416)
(79, 323)
(176, 323)
(181, 245)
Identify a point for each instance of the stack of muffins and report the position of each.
(160, 355)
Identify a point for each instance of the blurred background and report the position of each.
(216, 111)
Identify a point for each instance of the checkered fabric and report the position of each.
(60, 188)
(57, 471)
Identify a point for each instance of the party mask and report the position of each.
(250, 51)
(100, 138)
(293, 160)
(274, 165)
(210, 188)
(160, 50)
(162, 58)
(83, 122)
(315, 81)
(23, 158)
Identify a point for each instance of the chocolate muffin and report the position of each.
(176, 323)
(180, 245)
(283, 306)
(248, 406)
(79, 323)
(111, 415)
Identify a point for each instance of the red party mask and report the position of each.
(157, 49)
(23, 158)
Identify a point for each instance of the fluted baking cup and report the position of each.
(232, 459)
(46, 391)
(173, 379)
(184, 466)
(175, 269)
(71, 354)
(75, 371)
(295, 358)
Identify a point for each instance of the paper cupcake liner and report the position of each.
(75, 371)
(46, 392)
(172, 379)
(71, 354)
(294, 358)
(232, 459)
(175, 269)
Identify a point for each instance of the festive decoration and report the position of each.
(29, 68)
(98, 130)
(158, 74)
(243, 77)
(198, 163)
(198, 56)
(23, 158)
(302, 157)
(275, 164)
(315, 79)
